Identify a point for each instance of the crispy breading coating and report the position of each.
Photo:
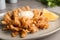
(23, 25)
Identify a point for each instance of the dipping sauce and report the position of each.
(27, 14)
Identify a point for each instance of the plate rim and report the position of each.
(43, 35)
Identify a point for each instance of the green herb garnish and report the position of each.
(51, 3)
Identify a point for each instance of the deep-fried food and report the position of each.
(24, 25)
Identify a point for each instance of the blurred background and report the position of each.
(12, 4)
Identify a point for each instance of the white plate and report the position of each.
(54, 26)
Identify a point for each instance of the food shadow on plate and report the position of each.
(2, 26)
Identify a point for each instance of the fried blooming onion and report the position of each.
(22, 25)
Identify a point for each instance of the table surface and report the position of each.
(34, 4)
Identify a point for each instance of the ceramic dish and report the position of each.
(54, 26)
